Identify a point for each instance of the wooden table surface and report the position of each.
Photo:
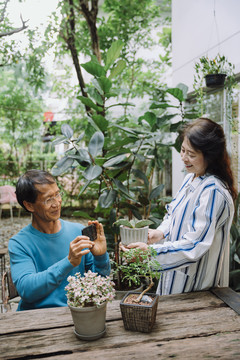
(188, 326)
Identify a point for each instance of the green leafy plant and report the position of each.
(133, 223)
(206, 66)
(137, 265)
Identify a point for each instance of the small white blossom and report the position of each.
(89, 290)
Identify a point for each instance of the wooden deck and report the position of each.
(196, 325)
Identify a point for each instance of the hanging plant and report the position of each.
(217, 71)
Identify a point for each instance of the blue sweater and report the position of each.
(40, 266)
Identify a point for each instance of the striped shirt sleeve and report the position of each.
(194, 229)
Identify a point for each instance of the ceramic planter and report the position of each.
(131, 235)
(89, 322)
(138, 317)
(215, 80)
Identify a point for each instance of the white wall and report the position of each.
(196, 31)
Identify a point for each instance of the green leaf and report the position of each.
(101, 122)
(156, 192)
(122, 188)
(120, 66)
(62, 166)
(177, 93)
(184, 89)
(88, 102)
(59, 140)
(162, 106)
(82, 214)
(150, 117)
(84, 187)
(128, 130)
(176, 126)
(115, 160)
(97, 86)
(123, 222)
(143, 223)
(142, 176)
(107, 198)
(67, 131)
(83, 158)
(113, 53)
(143, 200)
(94, 68)
(105, 84)
(92, 172)
(96, 144)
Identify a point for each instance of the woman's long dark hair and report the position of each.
(208, 137)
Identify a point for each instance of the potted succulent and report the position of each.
(133, 230)
(87, 299)
(139, 309)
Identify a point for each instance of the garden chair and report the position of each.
(9, 291)
(8, 200)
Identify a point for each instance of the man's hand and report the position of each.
(154, 236)
(100, 244)
(79, 247)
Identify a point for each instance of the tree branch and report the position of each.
(16, 30)
(91, 18)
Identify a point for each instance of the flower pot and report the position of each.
(131, 235)
(215, 80)
(89, 322)
(138, 317)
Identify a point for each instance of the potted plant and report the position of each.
(87, 299)
(139, 309)
(214, 71)
(133, 230)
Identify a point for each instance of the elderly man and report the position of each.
(47, 251)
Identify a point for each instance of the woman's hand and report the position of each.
(136, 245)
(154, 236)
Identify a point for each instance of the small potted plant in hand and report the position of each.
(87, 299)
(139, 309)
(133, 230)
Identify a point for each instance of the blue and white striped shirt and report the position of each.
(194, 253)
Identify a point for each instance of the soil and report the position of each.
(131, 299)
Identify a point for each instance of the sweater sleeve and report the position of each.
(31, 285)
(211, 211)
(99, 264)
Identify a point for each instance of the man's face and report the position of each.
(48, 204)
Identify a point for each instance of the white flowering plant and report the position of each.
(89, 290)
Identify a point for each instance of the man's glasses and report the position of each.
(50, 201)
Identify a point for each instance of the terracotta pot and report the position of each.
(89, 322)
(131, 235)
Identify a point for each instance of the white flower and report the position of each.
(89, 290)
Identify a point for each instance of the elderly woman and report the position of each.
(192, 242)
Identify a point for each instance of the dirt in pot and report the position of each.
(146, 300)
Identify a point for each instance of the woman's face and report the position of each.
(193, 160)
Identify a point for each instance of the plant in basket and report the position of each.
(139, 309)
(87, 299)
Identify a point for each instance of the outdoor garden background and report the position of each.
(97, 93)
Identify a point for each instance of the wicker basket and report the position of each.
(139, 317)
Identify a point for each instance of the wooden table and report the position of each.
(188, 326)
